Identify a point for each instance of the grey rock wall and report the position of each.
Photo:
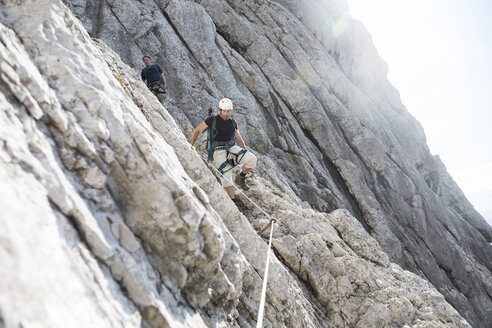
(311, 94)
(110, 220)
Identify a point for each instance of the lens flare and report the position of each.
(340, 26)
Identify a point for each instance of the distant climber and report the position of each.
(154, 77)
(225, 153)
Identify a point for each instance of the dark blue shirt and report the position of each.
(151, 74)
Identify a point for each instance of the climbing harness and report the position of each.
(157, 87)
(230, 160)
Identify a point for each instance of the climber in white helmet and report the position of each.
(223, 151)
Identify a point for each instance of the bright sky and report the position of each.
(439, 54)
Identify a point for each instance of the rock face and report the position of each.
(109, 219)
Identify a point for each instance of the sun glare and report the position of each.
(438, 54)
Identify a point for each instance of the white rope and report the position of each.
(259, 322)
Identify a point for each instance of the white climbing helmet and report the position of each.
(225, 103)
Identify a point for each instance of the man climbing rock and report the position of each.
(154, 77)
(224, 133)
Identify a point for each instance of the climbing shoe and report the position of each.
(240, 181)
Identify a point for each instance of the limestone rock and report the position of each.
(109, 219)
(311, 94)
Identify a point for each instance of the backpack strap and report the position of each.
(211, 135)
(214, 131)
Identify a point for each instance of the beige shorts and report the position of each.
(248, 160)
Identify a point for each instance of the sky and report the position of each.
(439, 54)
